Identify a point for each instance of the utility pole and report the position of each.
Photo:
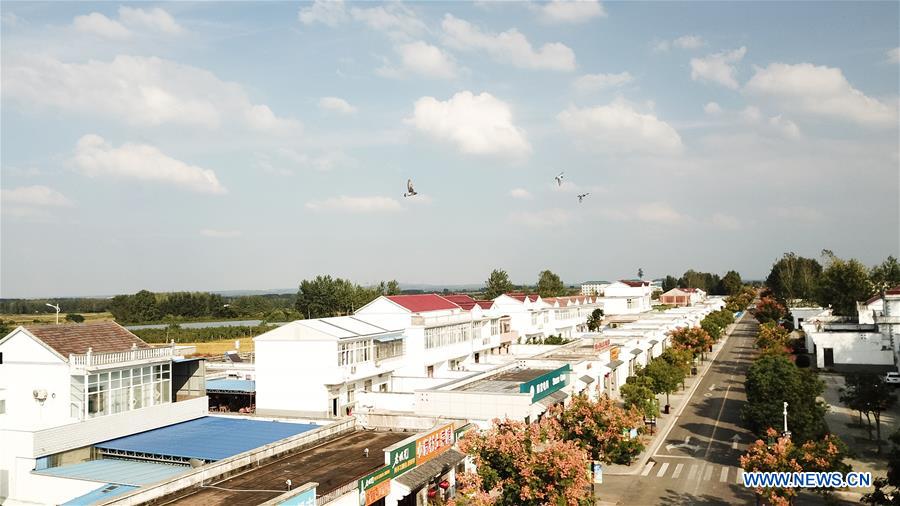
(56, 307)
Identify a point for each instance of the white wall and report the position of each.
(852, 348)
(291, 375)
(29, 366)
(39, 489)
(473, 405)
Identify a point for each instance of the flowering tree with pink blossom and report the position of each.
(523, 464)
(774, 456)
(601, 428)
(694, 339)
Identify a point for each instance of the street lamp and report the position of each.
(56, 307)
(786, 433)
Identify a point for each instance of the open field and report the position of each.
(43, 318)
(220, 347)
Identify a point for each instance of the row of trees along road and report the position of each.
(773, 378)
(542, 463)
(729, 284)
(836, 282)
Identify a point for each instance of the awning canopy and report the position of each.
(587, 379)
(636, 352)
(420, 476)
(388, 339)
(554, 398)
(614, 363)
(654, 342)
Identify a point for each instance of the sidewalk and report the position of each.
(678, 401)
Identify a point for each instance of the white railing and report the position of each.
(334, 494)
(437, 321)
(135, 354)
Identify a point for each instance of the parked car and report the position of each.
(892, 378)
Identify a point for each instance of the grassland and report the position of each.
(220, 347)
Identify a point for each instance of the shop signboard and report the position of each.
(403, 458)
(305, 498)
(614, 353)
(460, 432)
(601, 346)
(434, 443)
(374, 485)
(546, 384)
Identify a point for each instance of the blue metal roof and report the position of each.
(207, 438)
(101, 494)
(119, 472)
(231, 385)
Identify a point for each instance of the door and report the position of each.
(829, 356)
(477, 357)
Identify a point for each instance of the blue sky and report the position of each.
(208, 146)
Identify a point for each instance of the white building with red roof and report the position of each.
(627, 296)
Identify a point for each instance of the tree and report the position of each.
(497, 284)
(666, 376)
(731, 283)
(640, 273)
(74, 317)
(885, 275)
(777, 455)
(549, 285)
(600, 428)
(794, 277)
(680, 359)
(705, 281)
(595, 320)
(694, 339)
(714, 323)
(638, 391)
(842, 284)
(882, 494)
(391, 288)
(522, 464)
(772, 338)
(769, 310)
(868, 393)
(773, 380)
(669, 283)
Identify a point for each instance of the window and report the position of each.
(495, 327)
(355, 352)
(2, 406)
(437, 337)
(123, 390)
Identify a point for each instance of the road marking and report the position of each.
(647, 468)
(662, 470)
(734, 441)
(708, 473)
(712, 387)
(677, 472)
(724, 476)
(740, 476)
(692, 472)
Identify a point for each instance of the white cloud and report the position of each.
(542, 219)
(327, 12)
(818, 91)
(355, 204)
(139, 91)
(422, 59)
(571, 11)
(718, 68)
(395, 19)
(594, 82)
(617, 127)
(94, 157)
(683, 42)
(751, 114)
(712, 108)
(777, 124)
(725, 221)
(154, 19)
(100, 25)
(520, 193)
(36, 195)
(324, 162)
(476, 124)
(219, 233)
(509, 47)
(660, 212)
(336, 104)
(784, 126)
(893, 55)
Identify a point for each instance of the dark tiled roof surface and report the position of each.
(76, 338)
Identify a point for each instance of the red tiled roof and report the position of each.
(519, 296)
(634, 282)
(485, 304)
(76, 338)
(890, 291)
(461, 300)
(422, 303)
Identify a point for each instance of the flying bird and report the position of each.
(559, 179)
(410, 191)
(582, 196)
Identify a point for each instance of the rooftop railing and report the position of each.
(91, 359)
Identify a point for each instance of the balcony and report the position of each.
(92, 360)
(439, 321)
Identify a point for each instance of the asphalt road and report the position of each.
(698, 463)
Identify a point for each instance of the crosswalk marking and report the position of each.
(677, 472)
(708, 473)
(662, 470)
(647, 468)
(692, 472)
(740, 476)
(724, 476)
